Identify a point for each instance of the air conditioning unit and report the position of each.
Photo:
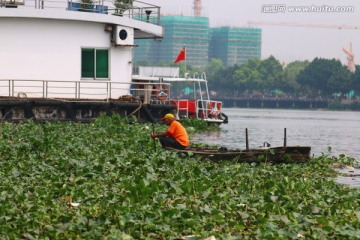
(124, 36)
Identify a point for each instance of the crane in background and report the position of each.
(197, 8)
(350, 58)
(348, 52)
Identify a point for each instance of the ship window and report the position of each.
(94, 63)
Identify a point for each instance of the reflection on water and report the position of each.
(320, 130)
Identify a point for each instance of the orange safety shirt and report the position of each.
(178, 132)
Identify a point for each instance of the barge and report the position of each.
(65, 60)
(69, 60)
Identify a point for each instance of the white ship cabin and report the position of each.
(71, 49)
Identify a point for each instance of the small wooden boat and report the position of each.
(286, 154)
(283, 154)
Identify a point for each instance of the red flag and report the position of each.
(181, 56)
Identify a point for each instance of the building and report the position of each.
(230, 44)
(179, 31)
(235, 45)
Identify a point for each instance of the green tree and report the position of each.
(272, 74)
(355, 81)
(323, 77)
(260, 76)
(248, 77)
(214, 66)
(291, 72)
(340, 80)
(223, 81)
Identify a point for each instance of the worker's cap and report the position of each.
(168, 116)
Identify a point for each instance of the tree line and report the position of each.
(326, 78)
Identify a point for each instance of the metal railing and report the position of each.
(200, 108)
(83, 89)
(138, 10)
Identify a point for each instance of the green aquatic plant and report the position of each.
(199, 125)
(104, 180)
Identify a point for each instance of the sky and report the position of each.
(285, 43)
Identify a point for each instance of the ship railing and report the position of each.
(200, 108)
(83, 89)
(182, 108)
(139, 10)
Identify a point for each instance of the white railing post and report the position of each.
(109, 90)
(44, 87)
(9, 88)
(12, 88)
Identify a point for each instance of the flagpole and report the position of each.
(185, 57)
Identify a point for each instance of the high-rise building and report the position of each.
(231, 45)
(179, 31)
(235, 45)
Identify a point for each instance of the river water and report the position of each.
(321, 130)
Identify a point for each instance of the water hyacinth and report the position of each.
(110, 180)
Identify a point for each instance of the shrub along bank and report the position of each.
(108, 180)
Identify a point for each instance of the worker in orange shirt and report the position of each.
(175, 136)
